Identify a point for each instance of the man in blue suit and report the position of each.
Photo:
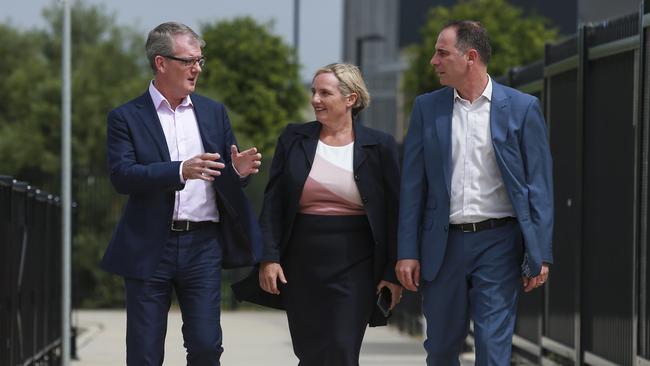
(476, 199)
(174, 154)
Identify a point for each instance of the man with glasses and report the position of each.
(174, 154)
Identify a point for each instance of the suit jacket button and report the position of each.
(356, 177)
(446, 227)
(364, 199)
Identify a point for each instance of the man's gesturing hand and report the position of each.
(246, 162)
(203, 166)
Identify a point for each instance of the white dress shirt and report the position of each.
(477, 190)
(197, 201)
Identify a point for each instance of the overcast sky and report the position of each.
(320, 21)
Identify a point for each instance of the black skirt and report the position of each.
(330, 291)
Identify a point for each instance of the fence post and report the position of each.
(18, 198)
(6, 184)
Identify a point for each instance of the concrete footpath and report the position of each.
(250, 338)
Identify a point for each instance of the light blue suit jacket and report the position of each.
(519, 137)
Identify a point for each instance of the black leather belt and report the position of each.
(483, 225)
(190, 225)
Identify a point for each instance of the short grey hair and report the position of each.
(350, 81)
(161, 40)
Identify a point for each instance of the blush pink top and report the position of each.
(330, 188)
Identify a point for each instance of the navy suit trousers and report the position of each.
(191, 266)
(480, 279)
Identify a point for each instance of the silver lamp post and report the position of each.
(66, 191)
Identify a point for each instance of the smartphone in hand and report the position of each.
(383, 301)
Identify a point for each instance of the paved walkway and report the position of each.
(250, 338)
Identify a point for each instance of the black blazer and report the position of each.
(376, 171)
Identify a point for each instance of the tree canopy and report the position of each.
(107, 69)
(516, 39)
(256, 75)
(30, 114)
(249, 69)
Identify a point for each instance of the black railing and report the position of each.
(595, 91)
(592, 89)
(30, 275)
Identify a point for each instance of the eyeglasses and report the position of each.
(188, 62)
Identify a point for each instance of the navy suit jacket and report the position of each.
(376, 172)
(140, 167)
(520, 142)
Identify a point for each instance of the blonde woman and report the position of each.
(329, 222)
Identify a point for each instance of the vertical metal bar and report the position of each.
(636, 205)
(580, 116)
(66, 191)
(546, 105)
(642, 123)
(359, 52)
(296, 25)
(544, 100)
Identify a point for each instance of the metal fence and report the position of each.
(30, 275)
(594, 308)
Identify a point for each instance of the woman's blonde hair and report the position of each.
(350, 81)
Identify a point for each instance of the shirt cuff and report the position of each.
(180, 171)
(236, 171)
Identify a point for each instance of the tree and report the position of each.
(31, 93)
(256, 75)
(250, 70)
(516, 40)
(108, 68)
(27, 112)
